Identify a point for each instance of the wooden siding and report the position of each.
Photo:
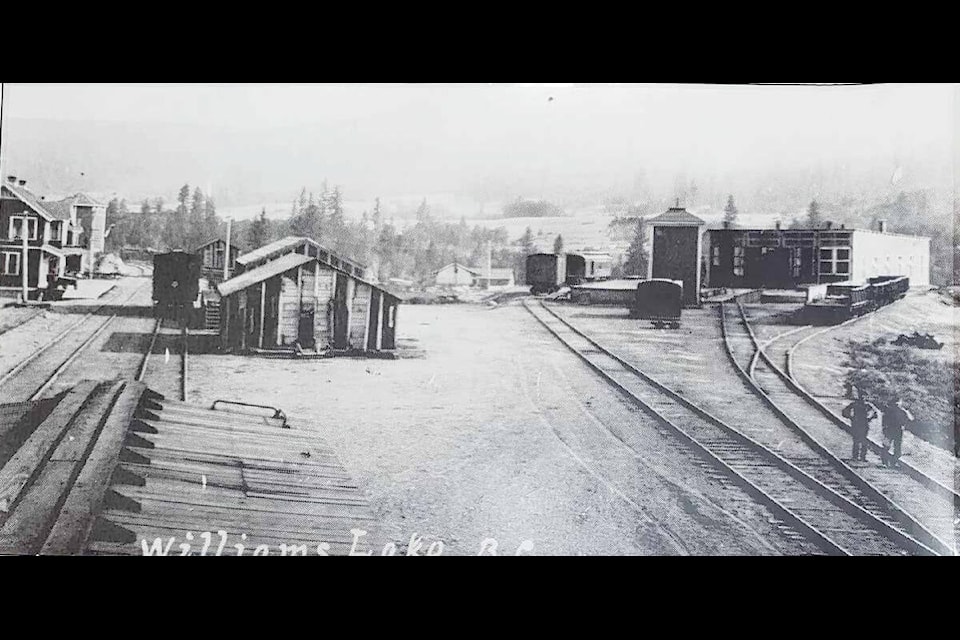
(359, 316)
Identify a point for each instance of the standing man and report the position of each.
(895, 418)
(860, 413)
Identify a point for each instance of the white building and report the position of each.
(457, 275)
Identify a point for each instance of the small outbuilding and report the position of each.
(457, 275)
(297, 299)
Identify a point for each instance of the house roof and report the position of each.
(474, 270)
(234, 246)
(595, 255)
(261, 273)
(676, 216)
(26, 196)
(60, 210)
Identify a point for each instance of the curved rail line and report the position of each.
(922, 502)
(833, 522)
(827, 465)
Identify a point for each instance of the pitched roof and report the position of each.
(234, 246)
(474, 270)
(676, 216)
(285, 244)
(261, 273)
(27, 197)
(60, 210)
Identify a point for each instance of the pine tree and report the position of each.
(637, 260)
(423, 211)
(730, 211)
(558, 245)
(813, 215)
(196, 233)
(259, 232)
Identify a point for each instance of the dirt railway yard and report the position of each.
(486, 432)
(487, 427)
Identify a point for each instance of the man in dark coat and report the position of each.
(895, 418)
(860, 413)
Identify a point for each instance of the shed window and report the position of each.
(715, 255)
(738, 261)
(10, 263)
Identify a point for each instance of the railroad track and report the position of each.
(806, 504)
(33, 376)
(929, 500)
(798, 428)
(182, 349)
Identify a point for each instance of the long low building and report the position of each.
(786, 258)
(297, 299)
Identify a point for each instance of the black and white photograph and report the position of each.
(479, 319)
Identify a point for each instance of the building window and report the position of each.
(715, 255)
(10, 263)
(835, 261)
(795, 262)
(16, 227)
(738, 261)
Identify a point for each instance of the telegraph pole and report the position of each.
(226, 256)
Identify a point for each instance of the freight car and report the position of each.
(845, 301)
(547, 272)
(660, 301)
(176, 283)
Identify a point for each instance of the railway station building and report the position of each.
(304, 300)
(53, 232)
(790, 258)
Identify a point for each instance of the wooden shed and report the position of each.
(299, 299)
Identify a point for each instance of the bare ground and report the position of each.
(486, 427)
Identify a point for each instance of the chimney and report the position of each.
(22, 183)
(843, 226)
(726, 224)
(882, 226)
(827, 225)
(11, 179)
(777, 225)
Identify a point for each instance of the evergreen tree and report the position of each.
(526, 248)
(637, 259)
(423, 211)
(558, 245)
(259, 232)
(196, 232)
(730, 211)
(813, 215)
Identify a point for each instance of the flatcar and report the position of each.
(887, 289)
(176, 282)
(845, 301)
(660, 301)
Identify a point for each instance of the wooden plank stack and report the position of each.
(114, 468)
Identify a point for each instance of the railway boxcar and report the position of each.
(176, 279)
(545, 272)
(660, 301)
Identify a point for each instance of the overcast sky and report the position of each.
(455, 133)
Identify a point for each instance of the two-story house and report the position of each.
(53, 240)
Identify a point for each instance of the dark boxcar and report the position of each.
(660, 301)
(842, 302)
(176, 278)
(545, 272)
(576, 269)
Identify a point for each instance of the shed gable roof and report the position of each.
(263, 272)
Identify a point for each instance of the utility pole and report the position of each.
(489, 262)
(226, 256)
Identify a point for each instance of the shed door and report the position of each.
(340, 313)
(389, 324)
(372, 321)
(305, 331)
